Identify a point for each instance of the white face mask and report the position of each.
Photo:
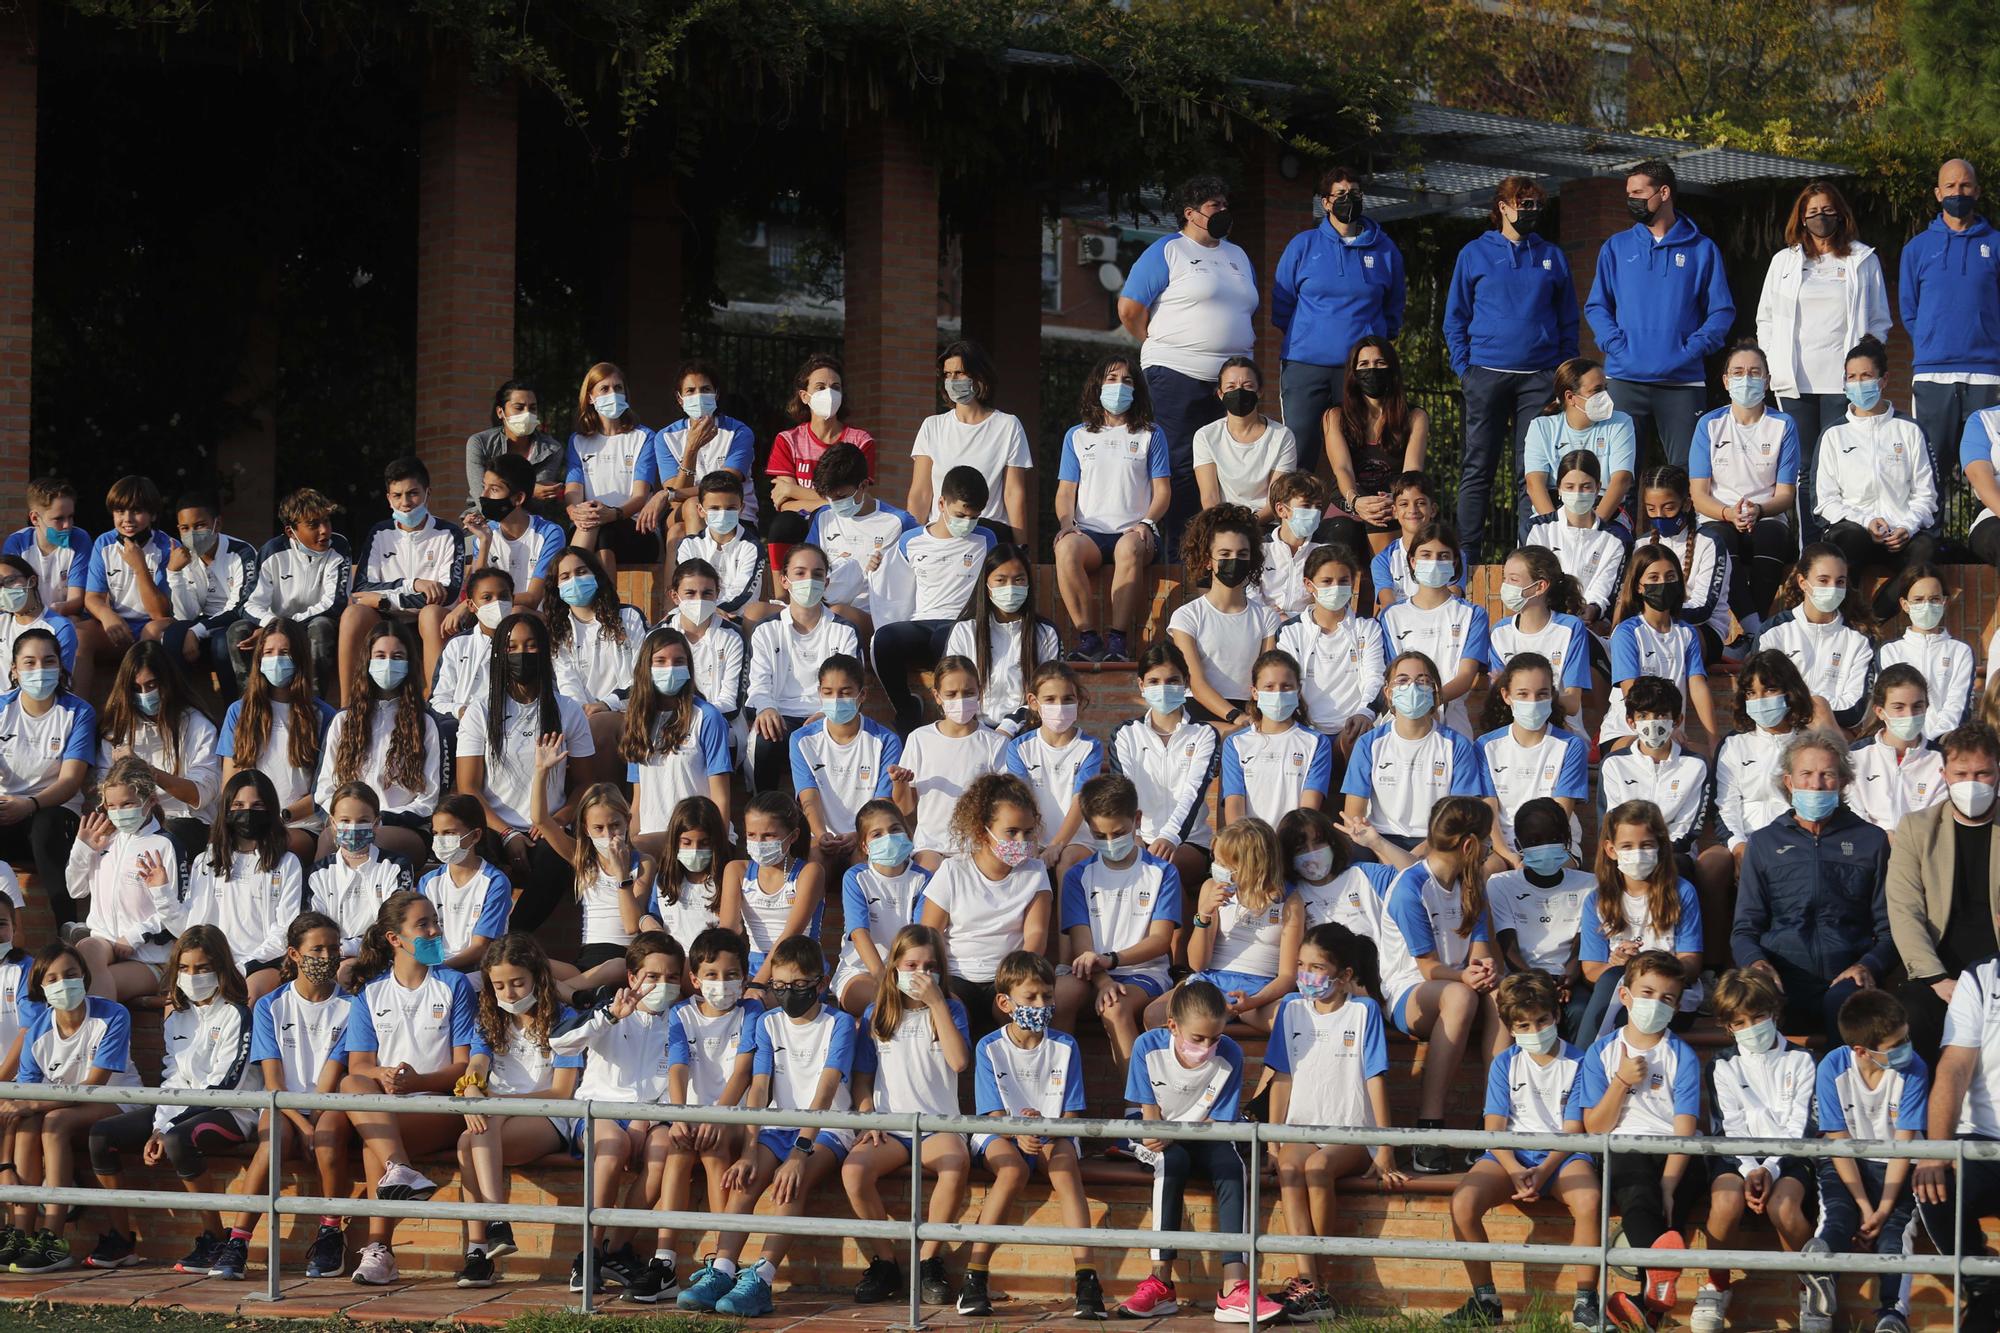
(64, 995)
(825, 403)
(1650, 1016)
(1334, 597)
(1315, 864)
(1904, 728)
(522, 424)
(661, 998)
(449, 848)
(1539, 1042)
(910, 982)
(1579, 502)
(1638, 862)
(198, 986)
(1972, 799)
(962, 709)
(520, 1006)
(1598, 407)
(492, 613)
(1825, 599)
(1058, 717)
(766, 851)
(722, 994)
(1513, 596)
(1654, 731)
(1758, 1038)
(697, 609)
(1927, 615)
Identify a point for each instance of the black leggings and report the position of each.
(771, 761)
(1184, 1160)
(899, 649)
(44, 839)
(549, 878)
(1634, 1183)
(188, 1142)
(1757, 564)
(1864, 552)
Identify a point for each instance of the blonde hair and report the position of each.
(587, 420)
(1251, 847)
(890, 1003)
(584, 860)
(1453, 820)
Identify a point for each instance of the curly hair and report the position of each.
(1198, 540)
(979, 802)
(518, 949)
(604, 604)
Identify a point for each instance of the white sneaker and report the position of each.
(376, 1267)
(404, 1182)
(1810, 1321)
(1711, 1310)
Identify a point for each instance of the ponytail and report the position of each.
(377, 954)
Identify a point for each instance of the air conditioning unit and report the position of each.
(1096, 249)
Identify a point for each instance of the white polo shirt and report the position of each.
(1403, 778)
(1545, 921)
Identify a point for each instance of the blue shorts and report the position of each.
(779, 1142)
(1398, 1007)
(574, 1130)
(1226, 982)
(981, 1142)
(1534, 1157)
(1145, 981)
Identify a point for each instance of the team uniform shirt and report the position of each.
(353, 894)
(721, 664)
(524, 1065)
(855, 548)
(1248, 941)
(1887, 787)
(1533, 1097)
(194, 758)
(1982, 436)
(1745, 460)
(738, 561)
(102, 1041)
(1562, 640)
(765, 914)
(1593, 554)
(664, 779)
(709, 1047)
(784, 662)
(207, 591)
(599, 899)
(627, 1059)
(1446, 634)
(415, 1025)
(252, 907)
(13, 627)
(107, 572)
(1244, 468)
(528, 557)
(1113, 470)
(15, 1006)
(1171, 773)
(1056, 773)
(1120, 904)
(988, 917)
(1764, 1096)
(394, 558)
(1747, 795)
(122, 906)
(928, 577)
(1637, 649)
(1612, 442)
(1545, 921)
(480, 906)
(731, 447)
(944, 767)
(510, 775)
(1671, 1087)
(297, 583)
(1947, 668)
(207, 1047)
(794, 1056)
(1705, 571)
(1402, 778)
(34, 749)
(1009, 1079)
(1353, 898)
(592, 667)
(1272, 771)
(1677, 784)
(1636, 914)
(846, 775)
(796, 452)
(1341, 670)
(909, 1068)
(300, 1034)
(1330, 1057)
(880, 904)
(1843, 1103)
(1212, 1090)
(1226, 641)
(1837, 660)
(1422, 918)
(605, 466)
(1876, 467)
(1202, 301)
(396, 798)
(1004, 694)
(462, 674)
(58, 569)
(1389, 571)
(988, 446)
(275, 760)
(1557, 765)
(1282, 585)
(691, 910)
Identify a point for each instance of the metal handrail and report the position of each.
(1251, 1241)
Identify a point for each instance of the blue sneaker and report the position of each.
(705, 1288)
(749, 1298)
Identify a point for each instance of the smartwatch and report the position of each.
(803, 1145)
(1111, 961)
(1234, 713)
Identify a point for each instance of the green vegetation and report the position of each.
(122, 1319)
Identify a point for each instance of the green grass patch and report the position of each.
(124, 1319)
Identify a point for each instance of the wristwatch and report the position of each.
(1111, 961)
(803, 1146)
(1201, 922)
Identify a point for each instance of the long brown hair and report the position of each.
(253, 715)
(979, 609)
(1453, 820)
(211, 941)
(1395, 433)
(605, 604)
(404, 763)
(656, 723)
(304, 924)
(1090, 407)
(890, 1002)
(518, 949)
(693, 812)
(1643, 559)
(121, 719)
(1844, 236)
(1663, 898)
(1854, 608)
(377, 954)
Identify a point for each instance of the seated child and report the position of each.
(1119, 908)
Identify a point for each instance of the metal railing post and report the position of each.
(274, 1185)
(1958, 1239)
(589, 1203)
(1251, 1196)
(916, 1220)
(1604, 1237)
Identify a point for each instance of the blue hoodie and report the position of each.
(1511, 307)
(1330, 294)
(1659, 307)
(1950, 298)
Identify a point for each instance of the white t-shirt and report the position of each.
(1330, 1056)
(1243, 471)
(511, 774)
(1119, 904)
(604, 465)
(910, 1070)
(1545, 921)
(795, 1055)
(1973, 1020)
(1820, 331)
(299, 1033)
(988, 917)
(1228, 641)
(664, 780)
(710, 1047)
(989, 446)
(1203, 301)
(944, 767)
(1004, 693)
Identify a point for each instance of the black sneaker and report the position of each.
(1089, 1296)
(622, 1266)
(46, 1253)
(972, 1297)
(114, 1250)
(1430, 1160)
(1479, 1311)
(936, 1282)
(201, 1258)
(1089, 647)
(328, 1255)
(881, 1282)
(232, 1256)
(13, 1241)
(576, 1272)
(1114, 647)
(1584, 1316)
(658, 1279)
(500, 1240)
(478, 1270)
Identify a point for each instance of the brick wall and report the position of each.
(1269, 211)
(465, 262)
(17, 246)
(1593, 211)
(892, 283)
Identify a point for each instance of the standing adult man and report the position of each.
(1950, 299)
(1659, 304)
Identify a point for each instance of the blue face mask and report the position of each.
(414, 519)
(1008, 597)
(1277, 705)
(1547, 859)
(428, 950)
(1413, 701)
(1115, 398)
(128, 818)
(578, 591)
(1669, 524)
(388, 672)
(57, 536)
(670, 680)
(721, 521)
(40, 683)
(1747, 391)
(1033, 1017)
(354, 837)
(1864, 394)
(1531, 714)
(847, 506)
(1898, 1057)
(890, 849)
(278, 670)
(841, 711)
(1303, 523)
(148, 701)
(1767, 711)
(1115, 848)
(1814, 805)
(1164, 698)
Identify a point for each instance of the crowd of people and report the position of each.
(320, 806)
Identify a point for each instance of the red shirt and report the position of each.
(796, 451)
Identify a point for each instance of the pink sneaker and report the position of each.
(1233, 1306)
(1152, 1300)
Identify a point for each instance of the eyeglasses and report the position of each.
(794, 988)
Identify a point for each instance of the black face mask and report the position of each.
(1372, 380)
(1823, 226)
(1347, 208)
(1218, 223)
(799, 1003)
(495, 510)
(1664, 596)
(1233, 572)
(1527, 219)
(1643, 211)
(249, 823)
(1240, 402)
(527, 667)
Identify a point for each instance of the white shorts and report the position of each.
(844, 976)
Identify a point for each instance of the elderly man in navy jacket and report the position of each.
(1810, 910)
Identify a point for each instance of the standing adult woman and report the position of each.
(973, 434)
(1373, 436)
(517, 412)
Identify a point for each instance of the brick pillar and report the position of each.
(652, 342)
(1269, 211)
(1593, 211)
(1002, 290)
(18, 56)
(465, 264)
(891, 285)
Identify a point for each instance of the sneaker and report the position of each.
(1584, 1316)
(1479, 1311)
(376, 1267)
(1089, 647)
(114, 1250)
(1891, 1321)
(1625, 1312)
(1808, 1321)
(478, 1270)
(1662, 1284)
(328, 1255)
(1306, 1303)
(72, 931)
(1817, 1293)
(232, 1256)
(500, 1241)
(935, 1282)
(656, 1281)
(881, 1282)
(1233, 1306)
(1153, 1299)
(201, 1258)
(576, 1271)
(404, 1182)
(1711, 1309)
(750, 1298)
(972, 1295)
(708, 1285)
(621, 1267)
(46, 1253)
(12, 1242)
(1114, 647)
(1089, 1296)
(1429, 1160)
